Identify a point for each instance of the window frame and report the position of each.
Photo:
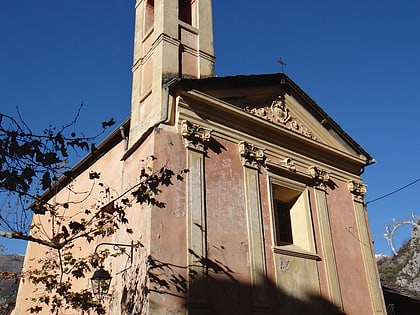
(187, 12)
(301, 222)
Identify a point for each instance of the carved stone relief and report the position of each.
(251, 155)
(278, 113)
(279, 110)
(284, 265)
(289, 164)
(357, 189)
(321, 177)
(195, 136)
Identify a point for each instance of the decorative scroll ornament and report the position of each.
(195, 136)
(321, 177)
(289, 164)
(357, 190)
(251, 155)
(280, 114)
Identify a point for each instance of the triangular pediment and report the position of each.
(279, 103)
(287, 112)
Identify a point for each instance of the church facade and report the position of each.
(270, 218)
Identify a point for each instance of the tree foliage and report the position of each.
(32, 163)
(29, 164)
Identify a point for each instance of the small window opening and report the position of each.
(283, 223)
(185, 13)
(149, 15)
(284, 201)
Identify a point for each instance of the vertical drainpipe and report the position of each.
(166, 87)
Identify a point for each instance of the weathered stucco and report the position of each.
(213, 249)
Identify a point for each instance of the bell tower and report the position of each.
(172, 39)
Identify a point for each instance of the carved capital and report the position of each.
(357, 190)
(251, 155)
(320, 176)
(195, 136)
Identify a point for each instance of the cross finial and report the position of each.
(282, 64)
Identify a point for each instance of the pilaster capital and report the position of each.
(357, 189)
(195, 136)
(251, 155)
(320, 176)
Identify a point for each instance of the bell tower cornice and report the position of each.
(172, 39)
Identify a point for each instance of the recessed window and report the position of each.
(284, 201)
(149, 15)
(292, 219)
(186, 11)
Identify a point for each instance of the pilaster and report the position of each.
(195, 140)
(321, 178)
(358, 191)
(252, 159)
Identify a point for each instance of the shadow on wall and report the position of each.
(227, 297)
(225, 293)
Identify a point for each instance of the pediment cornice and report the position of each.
(233, 123)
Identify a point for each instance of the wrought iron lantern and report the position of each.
(101, 281)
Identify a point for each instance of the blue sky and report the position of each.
(359, 60)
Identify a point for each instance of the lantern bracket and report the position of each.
(118, 246)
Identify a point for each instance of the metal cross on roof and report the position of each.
(282, 63)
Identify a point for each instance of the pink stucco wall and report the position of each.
(160, 265)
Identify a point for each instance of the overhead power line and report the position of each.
(395, 191)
